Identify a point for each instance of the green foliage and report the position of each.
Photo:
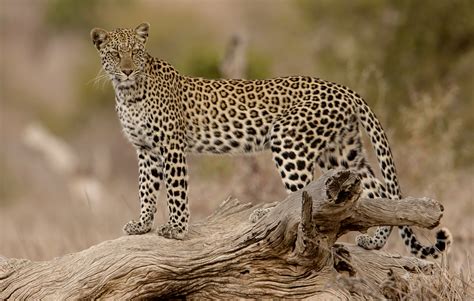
(415, 46)
(431, 35)
(72, 14)
(205, 62)
(95, 97)
(202, 62)
(80, 15)
(432, 48)
(258, 65)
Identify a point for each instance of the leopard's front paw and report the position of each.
(136, 228)
(170, 231)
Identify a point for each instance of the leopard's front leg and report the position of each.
(150, 168)
(176, 178)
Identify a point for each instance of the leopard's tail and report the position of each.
(387, 166)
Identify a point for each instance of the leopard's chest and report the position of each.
(135, 121)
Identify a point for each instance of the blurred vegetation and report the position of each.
(258, 65)
(408, 47)
(94, 100)
(95, 97)
(9, 185)
(206, 62)
(79, 16)
(71, 14)
(202, 63)
(430, 41)
(421, 44)
(423, 47)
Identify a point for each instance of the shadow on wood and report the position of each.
(290, 252)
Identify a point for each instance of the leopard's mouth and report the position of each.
(127, 80)
(125, 84)
(122, 80)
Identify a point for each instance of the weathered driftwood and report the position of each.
(288, 253)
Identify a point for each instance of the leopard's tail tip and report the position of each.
(444, 240)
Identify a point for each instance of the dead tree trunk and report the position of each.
(289, 253)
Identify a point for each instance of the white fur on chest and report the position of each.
(133, 117)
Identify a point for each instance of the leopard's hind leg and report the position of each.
(346, 151)
(294, 151)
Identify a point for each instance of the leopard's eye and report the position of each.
(114, 54)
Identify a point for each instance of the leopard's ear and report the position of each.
(99, 37)
(142, 32)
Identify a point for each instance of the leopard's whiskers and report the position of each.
(100, 78)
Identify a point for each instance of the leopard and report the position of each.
(305, 122)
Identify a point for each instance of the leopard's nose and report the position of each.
(127, 71)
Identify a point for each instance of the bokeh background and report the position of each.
(68, 176)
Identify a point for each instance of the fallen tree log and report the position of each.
(290, 252)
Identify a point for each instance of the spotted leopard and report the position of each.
(304, 121)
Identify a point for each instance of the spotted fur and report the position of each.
(303, 121)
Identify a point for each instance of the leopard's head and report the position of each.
(122, 52)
